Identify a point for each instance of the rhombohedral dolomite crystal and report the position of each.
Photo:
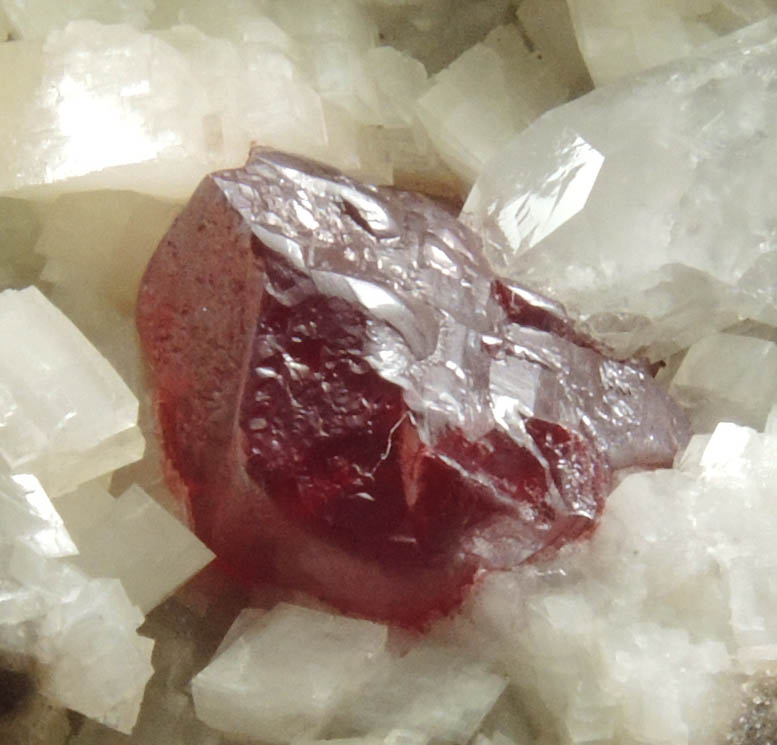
(353, 405)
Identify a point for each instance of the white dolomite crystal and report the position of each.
(624, 37)
(81, 632)
(647, 206)
(286, 673)
(133, 539)
(161, 107)
(66, 415)
(94, 661)
(727, 377)
(158, 110)
(28, 516)
(321, 674)
(433, 690)
(640, 634)
(495, 89)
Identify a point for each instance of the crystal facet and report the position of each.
(354, 405)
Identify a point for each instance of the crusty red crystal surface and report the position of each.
(353, 405)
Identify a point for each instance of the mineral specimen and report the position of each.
(354, 405)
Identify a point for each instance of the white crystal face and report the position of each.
(541, 200)
(286, 673)
(727, 377)
(27, 515)
(133, 539)
(618, 39)
(67, 416)
(295, 673)
(675, 234)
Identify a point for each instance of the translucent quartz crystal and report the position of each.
(354, 405)
(295, 673)
(726, 377)
(286, 673)
(67, 416)
(648, 260)
(132, 539)
(642, 634)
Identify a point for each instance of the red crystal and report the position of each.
(353, 406)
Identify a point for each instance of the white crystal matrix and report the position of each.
(645, 206)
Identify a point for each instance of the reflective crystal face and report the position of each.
(354, 405)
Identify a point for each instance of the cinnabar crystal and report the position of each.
(353, 405)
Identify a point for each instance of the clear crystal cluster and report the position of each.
(73, 572)
(653, 262)
(645, 207)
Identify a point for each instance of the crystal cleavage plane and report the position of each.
(353, 405)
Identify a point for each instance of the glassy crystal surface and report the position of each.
(646, 206)
(133, 539)
(65, 414)
(284, 674)
(354, 405)
(620, 38)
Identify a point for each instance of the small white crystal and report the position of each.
(95, 662)
(400, 81)
(66, 415)
(483, 98)
(433, 690)
(284, 676)
(727, 377)
(27, 515)
(81, 632)
(134, 540)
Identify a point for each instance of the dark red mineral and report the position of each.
(354, 406)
